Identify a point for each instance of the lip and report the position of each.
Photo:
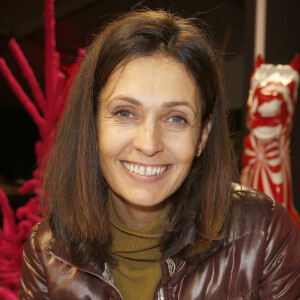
(143, 178)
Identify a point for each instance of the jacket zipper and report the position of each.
(88, 272)
(159, 292)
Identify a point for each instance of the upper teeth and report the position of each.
(143, 170)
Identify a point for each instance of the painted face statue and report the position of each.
(271, 108)
(272, 99)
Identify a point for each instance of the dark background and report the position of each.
(232, 22)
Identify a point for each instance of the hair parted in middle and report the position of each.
(74, 185)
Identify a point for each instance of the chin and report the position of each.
(145, 201)
(143, 198)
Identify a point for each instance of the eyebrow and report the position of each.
(178, 103)
(127, 99)
(165, 105)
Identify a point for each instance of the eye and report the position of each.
(178, 119)
(124, 113)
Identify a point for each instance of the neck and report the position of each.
(134, 216)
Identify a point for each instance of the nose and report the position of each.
(148, 138)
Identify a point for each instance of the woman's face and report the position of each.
(148, 128)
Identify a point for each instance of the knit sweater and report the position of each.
(137, 272)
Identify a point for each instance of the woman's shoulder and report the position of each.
(258, 256)
(33, 280)
(253, 212)
(40, 235)
(250, 202)
(38, 242)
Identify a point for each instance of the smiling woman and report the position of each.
(139, 181)
(149, 122)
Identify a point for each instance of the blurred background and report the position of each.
(232, 24)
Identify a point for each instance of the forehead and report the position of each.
(156, 77)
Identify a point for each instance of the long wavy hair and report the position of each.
(74, 185)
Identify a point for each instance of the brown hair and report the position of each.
(74, 183)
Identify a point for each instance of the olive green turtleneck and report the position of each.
(137, 272)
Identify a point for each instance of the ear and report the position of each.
(204, 136)
(259, 61)
(295, 63)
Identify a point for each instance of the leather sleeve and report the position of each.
(281, 274)
(33, 283)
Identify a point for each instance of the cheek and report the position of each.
(107, 146)
(183, 147)
(107, 152)
(112, 142)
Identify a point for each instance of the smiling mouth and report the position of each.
(144, 170)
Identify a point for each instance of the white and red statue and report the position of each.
(271, 108)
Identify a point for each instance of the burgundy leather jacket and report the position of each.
(258, 259)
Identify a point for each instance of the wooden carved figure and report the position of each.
(271, 108)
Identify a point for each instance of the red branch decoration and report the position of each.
(45, 112)
(271, 109)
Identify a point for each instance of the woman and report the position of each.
(141, 204)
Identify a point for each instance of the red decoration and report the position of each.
(45, 112)
(271, 108)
